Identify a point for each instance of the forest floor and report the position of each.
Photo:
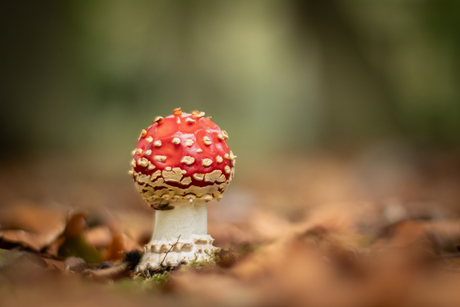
(316, 231)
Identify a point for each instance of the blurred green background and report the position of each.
(82, 78)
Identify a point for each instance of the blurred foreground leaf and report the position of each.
(78, 247)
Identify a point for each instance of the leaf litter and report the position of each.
(372, 252)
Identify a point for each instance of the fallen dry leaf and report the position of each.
(99, 237)
(30, 240)
(113, 273)
(30, 225)
(115, 249)
(32, 217)
(313, 239)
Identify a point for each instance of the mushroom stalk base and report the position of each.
(180, 235)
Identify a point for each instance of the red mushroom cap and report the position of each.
(182, 156)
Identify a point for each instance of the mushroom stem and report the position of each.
(186, 219)
(179, 235)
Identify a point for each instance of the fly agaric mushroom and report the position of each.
(181, 162)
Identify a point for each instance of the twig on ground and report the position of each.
(172, 246)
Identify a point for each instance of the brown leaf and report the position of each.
(30, 225)
(54, 264)
(52, 249)
(130, 245)
(112, 273)
(115, 249)
(31, 217)
(72, 241)
(75, 264)
(99, 237)
(76, 225)
(21, 237)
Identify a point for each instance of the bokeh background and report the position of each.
(344, 115)
(323, 100)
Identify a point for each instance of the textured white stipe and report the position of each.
(156, 253)
(184, 220)
(183, 228)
